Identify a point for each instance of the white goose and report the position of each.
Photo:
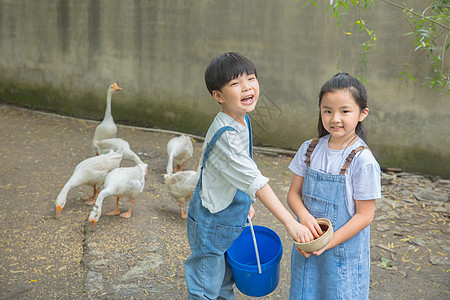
(91, 171)
(107, 128)
(179, 150)
(181, 185)
(117, 145)
(121, 182)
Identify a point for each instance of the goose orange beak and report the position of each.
(116, 87)
(93, 223)
(58, 210)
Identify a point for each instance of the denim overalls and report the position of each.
(208, 274)
(342, 272)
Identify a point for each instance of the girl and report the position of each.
(335, 177)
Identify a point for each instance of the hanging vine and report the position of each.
(430, 28)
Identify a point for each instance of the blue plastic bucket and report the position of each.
(242, 258)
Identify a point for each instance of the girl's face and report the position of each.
(340, 115)
(239, 96)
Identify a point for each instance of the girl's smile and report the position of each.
(340, 114)
(336, 128)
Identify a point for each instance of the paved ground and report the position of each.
(142, 258)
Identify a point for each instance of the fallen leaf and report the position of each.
(384, 262)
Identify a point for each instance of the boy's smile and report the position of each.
(239, 96)
(247, 100)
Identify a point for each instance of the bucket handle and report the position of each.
(254, 242)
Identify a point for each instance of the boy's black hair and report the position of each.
(226, 67)
(344, 81)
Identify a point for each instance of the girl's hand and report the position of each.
(310, 222)
(251, 212)
(308, 254)
(318, 252)
(304, 253)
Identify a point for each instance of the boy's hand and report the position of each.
(251, 212)
(310, 222)
(299, 232)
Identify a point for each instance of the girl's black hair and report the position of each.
(226, 67)
(344, 81)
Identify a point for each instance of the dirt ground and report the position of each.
(42, 257)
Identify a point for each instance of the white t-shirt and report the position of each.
(362, 178)
(229, 166)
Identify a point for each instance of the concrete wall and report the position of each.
(62, 55)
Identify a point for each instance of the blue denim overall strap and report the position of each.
(250, 138)
(217, 135)
(342, 272)
(208, 274)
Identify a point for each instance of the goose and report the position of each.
(107, 128)
(179, 149)
(121, 182)
(181, 185)
(117, 145)
(91, 171)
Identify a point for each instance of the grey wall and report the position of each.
(62, 55)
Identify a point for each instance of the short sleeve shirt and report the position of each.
(362, 178)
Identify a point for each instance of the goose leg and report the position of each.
(91, 200)
(116, 211)
(183, 214)
(127, 214)
(94, 191)
(179, 168)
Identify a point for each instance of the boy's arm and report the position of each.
(251, 212)
(296, 230)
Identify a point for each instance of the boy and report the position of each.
(229, 181)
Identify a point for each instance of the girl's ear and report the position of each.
(363, 114)
(218, 96)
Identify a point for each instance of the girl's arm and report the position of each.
(295, 202)
(296, 230)
(365, 210)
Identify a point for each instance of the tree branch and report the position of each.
(416, 14)
(443, 53)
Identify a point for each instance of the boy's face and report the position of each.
(239, 96)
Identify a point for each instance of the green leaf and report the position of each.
(384, 262)
(344, 4)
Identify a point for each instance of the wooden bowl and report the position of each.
(320, 242)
